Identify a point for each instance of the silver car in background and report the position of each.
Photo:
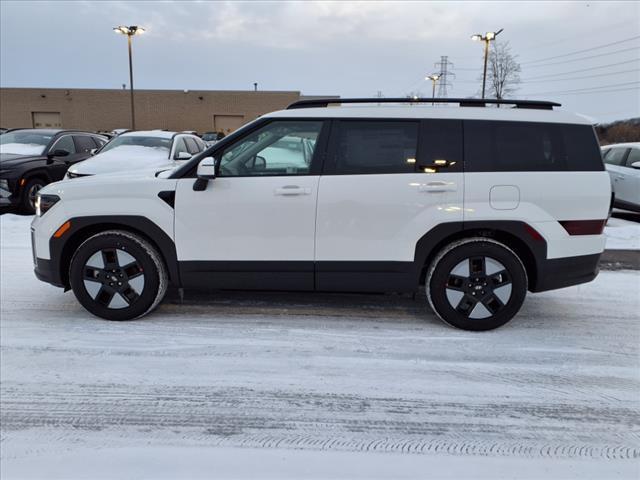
(622, 161)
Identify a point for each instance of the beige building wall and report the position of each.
(99, 109)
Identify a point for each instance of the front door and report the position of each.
(254, 224)
(60, 163)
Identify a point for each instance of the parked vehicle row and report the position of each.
(33, 158)
(474, 206)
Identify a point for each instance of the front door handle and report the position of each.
(438, 187)
(292, 190)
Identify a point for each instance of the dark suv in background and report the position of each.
(31, 158)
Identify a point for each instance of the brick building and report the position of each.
(102, 110)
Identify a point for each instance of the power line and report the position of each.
(590, 88)
(584, 93)
(584, 50)
(583, 58)
(586, 69)
(581, 77)
(603, 28)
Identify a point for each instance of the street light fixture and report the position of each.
(130, 32)
(486, 38)
(434, 78)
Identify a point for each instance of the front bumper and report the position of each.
(564, 272)
(8, 198)
(46, 273)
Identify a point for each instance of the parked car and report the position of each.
(212, 137)
(139, 150)
(474, 206)
(32, 158)
(622, 161)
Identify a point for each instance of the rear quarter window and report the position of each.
(499, 146)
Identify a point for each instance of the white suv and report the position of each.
(474, 205)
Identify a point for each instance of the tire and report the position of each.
(137, 276)
(476, 284)
(27, 202)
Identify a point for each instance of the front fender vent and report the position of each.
(169, 197)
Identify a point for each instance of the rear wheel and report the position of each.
(29, 193)
(118, 275)
(476, 284)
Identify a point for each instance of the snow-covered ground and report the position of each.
(270, 385)
(622, 234)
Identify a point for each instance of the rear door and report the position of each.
(386, 183)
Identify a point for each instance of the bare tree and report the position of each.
(503, 73)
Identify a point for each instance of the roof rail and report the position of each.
(463, 102)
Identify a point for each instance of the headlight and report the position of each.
(45, 202)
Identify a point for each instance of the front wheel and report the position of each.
(29, 194)
(118, 275)
(476, 284)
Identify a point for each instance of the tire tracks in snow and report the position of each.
(244, 417)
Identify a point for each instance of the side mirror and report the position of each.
(635, 165)
(206, 171)
(259, 163)
(182, 156)
(93, 151)
(59, 152)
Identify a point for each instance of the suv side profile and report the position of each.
(476, 206)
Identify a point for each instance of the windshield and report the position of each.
(24, 142)
(150, 144)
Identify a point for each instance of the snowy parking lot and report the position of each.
(271, 385)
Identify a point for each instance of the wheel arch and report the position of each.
(36, 173)
(525, 241)
(83, 228)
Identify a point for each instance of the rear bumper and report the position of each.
(565, 272)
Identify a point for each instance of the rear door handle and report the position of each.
(437, 187)
(292, 190)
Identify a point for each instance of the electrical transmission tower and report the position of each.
(444, 66)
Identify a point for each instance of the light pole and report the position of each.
(486, 38)
(130, 32)
(434, 78)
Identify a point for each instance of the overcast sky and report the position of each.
(346, 48)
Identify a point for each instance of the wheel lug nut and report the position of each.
(119, 283)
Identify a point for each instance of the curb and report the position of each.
(620, 260)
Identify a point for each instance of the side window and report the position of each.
(64, 143)
(181, 146)
(99, 141)
(441, 146)
(615, 156)
(634, 156)
(501, 146)
(192, 146)
(369, 147)
(283, 147)
(84, 143)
